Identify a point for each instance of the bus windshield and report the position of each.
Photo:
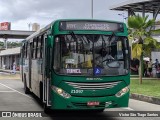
(97, 55)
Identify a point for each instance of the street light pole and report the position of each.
(29, 25)
(92, 9)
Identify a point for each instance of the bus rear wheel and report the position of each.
(41, 91)
(26, 89)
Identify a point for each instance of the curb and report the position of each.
(145, 98)
(9, 71)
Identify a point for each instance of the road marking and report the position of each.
(15, 90)
(128, 108)
(119, 109)
(7, 91)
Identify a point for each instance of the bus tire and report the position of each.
(22, 78)
(46, 109)
(26, 89)
(99, 110)
(41, 91)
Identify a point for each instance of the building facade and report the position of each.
(8, 57)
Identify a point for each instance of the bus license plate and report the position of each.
(92, 103)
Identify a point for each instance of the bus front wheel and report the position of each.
(46, 109)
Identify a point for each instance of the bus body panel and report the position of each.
(26, 70)
(35, 78)
(79, 100)
(78, 103)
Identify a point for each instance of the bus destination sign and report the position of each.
(87, 25)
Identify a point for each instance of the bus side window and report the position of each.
(34, 48)
(31, 47)
(57, 56)
(41, 52)
(38, 47)
(26, 50)
(23, 51)
(41, 49)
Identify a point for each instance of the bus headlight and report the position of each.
(122, 92)
(61, 92)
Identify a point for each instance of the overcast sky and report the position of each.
(22, 12)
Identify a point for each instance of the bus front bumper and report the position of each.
(80, 103)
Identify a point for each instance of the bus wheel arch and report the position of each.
(47, 110)
(26, 89)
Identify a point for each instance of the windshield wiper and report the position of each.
(112, 35)
(73, 35)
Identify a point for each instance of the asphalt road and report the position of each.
(12, 98)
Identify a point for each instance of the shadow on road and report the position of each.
(74, 115)
(79, 115)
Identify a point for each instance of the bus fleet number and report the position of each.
(76, 91)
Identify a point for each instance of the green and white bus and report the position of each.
(78, 65)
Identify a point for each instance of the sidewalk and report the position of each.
(133, 77)
(7, 74)
(8, 71)
(145, 98)
(10, 76)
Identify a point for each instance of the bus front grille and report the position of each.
(93, 86)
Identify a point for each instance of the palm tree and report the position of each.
(142, 42)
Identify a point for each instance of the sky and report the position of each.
(21, 13)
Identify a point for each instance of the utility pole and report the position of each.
(29, 25)
(92, 9)
(5, 43)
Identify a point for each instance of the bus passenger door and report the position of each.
(27, 70)
(46, 72)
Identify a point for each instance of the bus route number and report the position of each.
(77, 91)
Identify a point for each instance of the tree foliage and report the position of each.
(140, 32)
(10, 44)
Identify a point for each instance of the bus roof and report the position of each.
(39, 31)
(43, 30)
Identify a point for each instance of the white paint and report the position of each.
(15, 90)
(7, 91)
(119, 109)
(128, 108)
